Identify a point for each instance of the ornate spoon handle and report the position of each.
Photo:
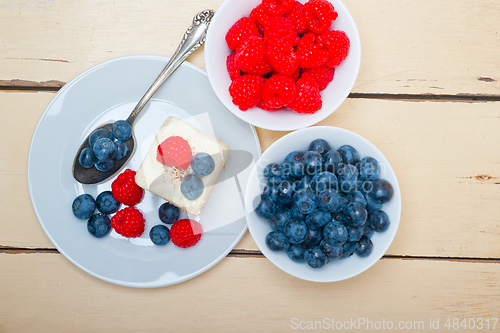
(193, 38)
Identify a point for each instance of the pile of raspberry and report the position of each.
(284, 55)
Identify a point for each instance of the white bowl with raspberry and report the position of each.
(286, 71)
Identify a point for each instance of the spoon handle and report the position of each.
(193, 38)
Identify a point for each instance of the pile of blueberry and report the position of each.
(98, 224)
(324, 204)
(192, 185)
(106, 147)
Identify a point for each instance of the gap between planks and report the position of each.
(240, 253)
(55, 86)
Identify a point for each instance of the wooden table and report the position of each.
(427, 95)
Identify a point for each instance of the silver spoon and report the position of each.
(192, 40)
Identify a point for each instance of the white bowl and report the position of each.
(336, 270)
(216, 52)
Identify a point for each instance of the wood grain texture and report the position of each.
(446, 157)
(240, 295)
(426, 47)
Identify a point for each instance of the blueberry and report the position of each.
(121, 150)
(296, 214)
(87, 158)
(192, 186)
(369, 168)
(294, 162)
(355, 233)
(99, 225)
(313, 162)
(348, 177)
(280, 218)
(100, 133)
(104, 165)
(331, 161)
(349, 154)
(83, 206)
(294, 157)
(315, 257)
(368, 230)
(264, 207)
(303, 183)
(276, 173)
(335, 233)
(318, 219)
(338, 217)
(121, 130)
(328, 200)
(356, 196)
(285, 192)
(305, 200)
(314, 236)
(276, 241)
(203, 164)
(343, 201)
(104, 149)
(332, 251)
(382, 191)
(379, 221)
(324, 180)
(168, 213)
(363, 247)
(295, 231)
(106, 203)
(372, 205)
(348, 249)
(296, 253)
(159, 234)
(320, 145)
(271, 190)
(364, 186)
(355, 214)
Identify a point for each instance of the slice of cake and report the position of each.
(168, 165)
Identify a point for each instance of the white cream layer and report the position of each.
(165, 181)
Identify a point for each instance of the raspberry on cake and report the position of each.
(163, 175)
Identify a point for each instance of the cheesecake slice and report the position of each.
(164, 179)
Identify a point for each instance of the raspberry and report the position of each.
(240, 31)
(264, 106)
(310, 53)
(246, 91)
(278, 7)
(174, 151)
(282, 57)
(308, 98)
(280, 27)
(233, 70)
(128, 222)
(260, 18)
(337, 43)
(297, 18)
(323, 75)
(185, 233)
(125, 190)
(295, 75)
(319, 15)
(251, 57)
(278, 91)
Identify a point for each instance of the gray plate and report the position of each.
(109, 91)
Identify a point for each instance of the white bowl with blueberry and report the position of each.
(323, 204)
